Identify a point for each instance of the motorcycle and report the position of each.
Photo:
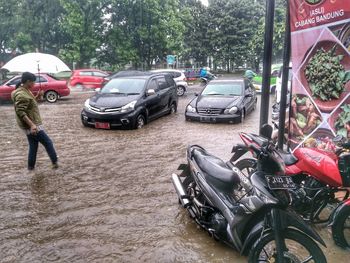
(205, 80)
(321, 177)
(259, 223)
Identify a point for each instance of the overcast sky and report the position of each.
(205, 2)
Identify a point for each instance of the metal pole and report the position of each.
(267, 60)
(285, 77)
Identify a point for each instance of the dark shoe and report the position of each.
(54, 165)
(30, 168)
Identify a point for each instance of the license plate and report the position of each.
(280, 182)
(102, 125)
(207, 119)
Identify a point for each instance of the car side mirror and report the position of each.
(150, 92)
(196, 94)
(248, 95)
(266, 131)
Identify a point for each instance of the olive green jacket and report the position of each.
(25, 105)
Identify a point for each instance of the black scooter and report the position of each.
(259, 223)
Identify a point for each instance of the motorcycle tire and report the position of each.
(338, 228)
(258, 249)
(246, 166)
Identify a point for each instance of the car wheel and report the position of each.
(242, 116)
(140, 122)
(172, 108)
(51, 96)
(180, 91)
(255, 103)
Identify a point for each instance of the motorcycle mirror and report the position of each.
(266, 131)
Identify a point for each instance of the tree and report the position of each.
(143, 31)
(8, 24)
(256, 44)
(82, 22)
(196, 44)
(232, 26)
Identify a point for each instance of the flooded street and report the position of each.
(111, 200)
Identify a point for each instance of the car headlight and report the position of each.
(190, 108)
(87, 104)
(231, 110)
(129, 107)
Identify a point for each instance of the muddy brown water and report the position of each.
(111, 200)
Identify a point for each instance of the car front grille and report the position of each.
(104, 110)
(209, 111)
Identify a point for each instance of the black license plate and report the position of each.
(207, 119)
(279, 182)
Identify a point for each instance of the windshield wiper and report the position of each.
(132, 93)
(117, 93)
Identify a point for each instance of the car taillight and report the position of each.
(185, 79)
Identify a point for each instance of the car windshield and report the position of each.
(223, 89)
(124, 86)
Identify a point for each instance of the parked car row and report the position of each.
(133, 101)
(83, 79)
(93, 79)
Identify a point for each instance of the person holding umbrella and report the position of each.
(28, 118)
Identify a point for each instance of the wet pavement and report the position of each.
(111, 200)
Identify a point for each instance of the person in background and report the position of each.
(249, 75)
(203, 72)
(28, 118)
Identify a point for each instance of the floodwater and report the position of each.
(111, 200)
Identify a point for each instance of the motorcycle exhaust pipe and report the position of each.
(180, 190)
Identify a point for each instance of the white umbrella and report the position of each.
(36, 62)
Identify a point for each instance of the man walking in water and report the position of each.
(29, 119)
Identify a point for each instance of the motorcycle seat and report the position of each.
(216, 171)
(288, 158)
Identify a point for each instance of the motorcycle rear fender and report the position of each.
(337, 210)
(289, 219)
(239, 150)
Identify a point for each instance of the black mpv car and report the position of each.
(131, 102)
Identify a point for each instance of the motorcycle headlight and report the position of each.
(129, 107)
(87, 104)
(190, 109)
(231, 110)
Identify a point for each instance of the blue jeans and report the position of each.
(45, 140)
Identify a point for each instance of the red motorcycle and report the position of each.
(322, 181)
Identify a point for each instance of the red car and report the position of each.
(87, 78)
(52, 87)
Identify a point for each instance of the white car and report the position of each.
(179, 78)
(279, 83)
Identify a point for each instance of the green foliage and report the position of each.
(115, 33)
(326, 75)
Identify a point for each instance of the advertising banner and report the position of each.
(320, 103)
